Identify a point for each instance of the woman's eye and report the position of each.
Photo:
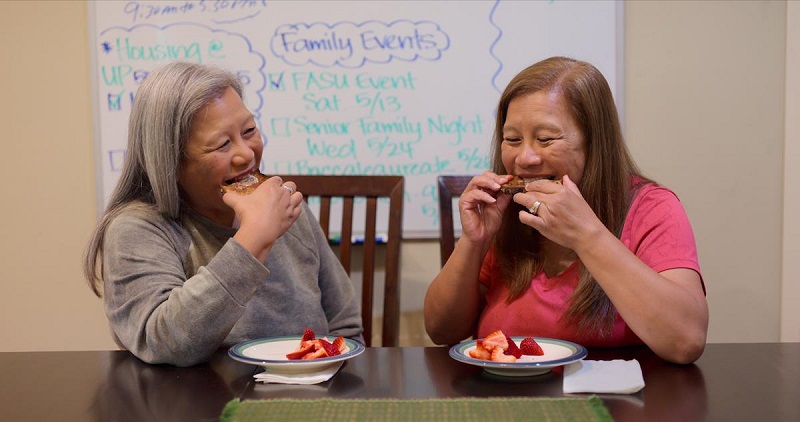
(225, 144)
(544, 139)
(510, 140)
(250, 131)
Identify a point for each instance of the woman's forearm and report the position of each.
(667, 310)
(452, 302)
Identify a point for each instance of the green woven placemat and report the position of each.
(461, 410)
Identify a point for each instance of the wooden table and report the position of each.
(731, 382)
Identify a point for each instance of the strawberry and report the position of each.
(308, 334)
(319, 353)
(480, 352)
(512, 350)
(529, 346)
(305, 348)
(498, 355)
(495, 339)
(339, 344)
(328, 347)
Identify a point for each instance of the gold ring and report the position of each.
(535, 208)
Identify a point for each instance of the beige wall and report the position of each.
(705, 114)
(47, 164)
(790, 309)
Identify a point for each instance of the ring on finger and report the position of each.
(289, 188)
(535, 208)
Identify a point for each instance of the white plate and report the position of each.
(271, 354)
(556, 353)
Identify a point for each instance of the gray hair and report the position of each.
(159, 125)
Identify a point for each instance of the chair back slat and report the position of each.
(369, 260)
(345, 241)
(449, 187)
(371, 188)
(325, 214)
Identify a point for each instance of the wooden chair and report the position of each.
(450, 186)
(371, 188)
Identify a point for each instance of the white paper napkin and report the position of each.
(603, 376)
(300, 378)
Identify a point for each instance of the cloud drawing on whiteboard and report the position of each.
(140, 49)
(351, 45)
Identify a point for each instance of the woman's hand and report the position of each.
(481, 208)
(563, 216)
(666, 309)
(265, 214)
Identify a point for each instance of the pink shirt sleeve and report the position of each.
(657, 230)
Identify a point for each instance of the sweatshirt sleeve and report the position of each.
(154, 310)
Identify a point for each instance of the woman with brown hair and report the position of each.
(591, 252)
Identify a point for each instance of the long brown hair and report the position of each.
(605, 184)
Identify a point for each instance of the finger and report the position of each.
(230, 198)
(296, 213)
(544, 186)
(534, 208)
(478, 194)
(296, 198)
(531, 220)
(290, 187)
(487, 182)
(569, 184)
(526, 199)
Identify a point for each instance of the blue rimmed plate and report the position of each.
(270, 353)
(556, 353)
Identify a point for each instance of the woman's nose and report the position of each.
(242, 153)
(529, 156)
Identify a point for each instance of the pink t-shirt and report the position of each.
(656, 230)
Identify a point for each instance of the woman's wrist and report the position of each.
(255, 246)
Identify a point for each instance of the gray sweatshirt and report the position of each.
(176, 291)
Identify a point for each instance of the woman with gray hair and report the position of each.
(591, 251)
(185, 269)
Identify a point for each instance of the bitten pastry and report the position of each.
(517, 184)
(246, 185)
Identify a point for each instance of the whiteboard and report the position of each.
(350, 87)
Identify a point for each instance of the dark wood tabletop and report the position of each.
(730, 382)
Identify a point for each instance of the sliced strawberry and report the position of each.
(498, 355)
(512, 350)
(319, 353)
(308, 334)
(480, 352)
(529, 346)
(339, 344)
(495, 339)
(330, 349)
(305, 348)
